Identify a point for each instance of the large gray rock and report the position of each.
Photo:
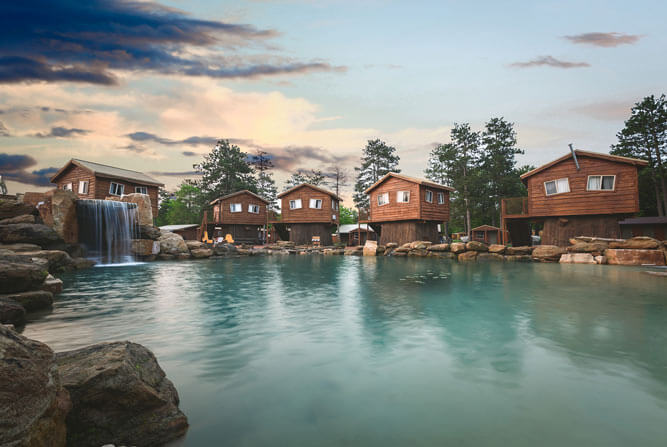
(199, 253)
(477, 246)
(172, 244)
(17, 275)
(120, 395)
(11, 312)
(149, 232)
(144, 209)
(145, 247)
(63, 214)
(38, 234)
(588, 247)
(194, 245)
(12, 208)
(31, 300)
(25, 218)
(20, 247)
(229, 249)
(33, 403)
(57, 260)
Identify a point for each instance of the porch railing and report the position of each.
(515, 206)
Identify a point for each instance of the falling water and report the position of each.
(106, 228)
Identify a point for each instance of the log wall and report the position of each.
(409, 231)
(559, 230)
(416, 209)
(222, 213)
(306, 214)
(302, 233)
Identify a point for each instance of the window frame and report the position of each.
(400, 195)
(555, 182)
(252, 206)
(295, 203)
(310, 204)
(111, 189)
(86, 187)
(441, 195)
(68, 186)
(233, 206)
(136, 189)
(426, 193)
(384, 194)
(602, 176)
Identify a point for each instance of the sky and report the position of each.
(151, 86)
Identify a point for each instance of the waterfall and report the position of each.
(106, 228)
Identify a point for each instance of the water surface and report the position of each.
(308, 350)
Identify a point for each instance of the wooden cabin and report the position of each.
(655, 227)
(408, 209)
(580, 194)
(487, 234)
(91, 180)
(242, 214)
(187, 231)
(355, 234)
(309, 213)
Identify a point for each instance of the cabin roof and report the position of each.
(348, 228)
(409, 179)
(648, 220)
(317, 188)
(580, 153)
(486, 228)
(244, 191)
(177, 227)
(101, 170)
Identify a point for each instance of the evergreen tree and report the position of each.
(313, 177)
(377, 160)
(645, 136)
(224, 171)
(266, 185)
(338, 178)
(348, 215)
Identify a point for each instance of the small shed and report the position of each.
(186, 231)
(655, 227)
(355, 234)
(487, 234)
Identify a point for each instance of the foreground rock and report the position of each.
(172, 244)
(12, 208)
(32, 300)
(120, 395)
(547, 253)
(371, 248)
(457, 247)
(11, 312)
(33, 403)
(634, 257)
(18, 276)
(577, 258)
(477, 246)
(497, 248)
(56, 260)
(637, 243)
(38, 234)
(149, 232)
(200, 253)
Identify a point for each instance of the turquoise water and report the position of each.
(329, 351)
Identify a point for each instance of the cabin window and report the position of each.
(383, 199)
(316, 204)
(333, 216)
(116, 189)
(441, 198)
(601, 182)
(141, 189)
(403, 196)
(295, 204)
(235, 207)
(83, 186)
(253, 209)
(429, 196)
(557, 186)
(334, 205)
(67, 186)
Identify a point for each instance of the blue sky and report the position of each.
(312, 80)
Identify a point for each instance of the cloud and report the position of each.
(62, 132)
(607, 110)
(606, 40)
(549, 61)
(175, 174)
(87, 41)
(14, 167)
(191, 141)
(189, 153)
(4, 132)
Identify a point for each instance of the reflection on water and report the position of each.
(375, 351)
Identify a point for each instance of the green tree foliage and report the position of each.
(377, 160)
(266, 188)
(645, 136)
(183, 207)
(224, 171)
(314, 177)
(348, 215)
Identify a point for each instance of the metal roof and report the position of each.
(409, 179)
(110, 172)
(347, 228)
(177, 227)
(244, 191)
(651, 220)
(316, 188)
(580, 153)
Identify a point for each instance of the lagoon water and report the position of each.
(329, 351)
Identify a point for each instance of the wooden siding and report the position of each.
(306, 214)
(302, 233)
(223, 215)
(559, 230)
(623, 200)
(73, 175)
(409, 231)
(102, 190)
(416, 209)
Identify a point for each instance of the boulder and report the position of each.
(149, 232)
(11, 312)
(20, 247)
(490, 257)
(119, 395)
(145, 247)
(17, 275)
(32, 300)
(200, 253)
(370, 248)
(57, 260)
(634, 257)
(76, 250)
(523, 250)
(439, 247)
(420, 245)
(518, 258)
(82, 263)
(38, 234)
(419, 252)
(193, 245)
(391, 245)
(354, 251)
(477, 246)
(637, 243)
(467, 256)
(172, 243)
(12, 208)
(600, 259)
(577, 258)
(33, 403)
(497, 248)
(166, 257)
(226, 249)
(53, 285)
(25, 218)
(442, 254)
(144, 209)
(457, 247)
(588, 247)
(63, 214)
(547, 253)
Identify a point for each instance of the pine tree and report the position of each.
(338, 178)
(224, 171)
(266, 185)
(377, 160)
(313, 177)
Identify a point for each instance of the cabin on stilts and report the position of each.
(309, 213)
(406, 209)
(242, 214)
(580, 194)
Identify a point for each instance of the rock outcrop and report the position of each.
(120, 395)
(62, 216)
(56, 260)
(33, 403)
(13, 208)
(439, 247)
(523, 250)
(149, 232)
(145, 247)
(477, 246)
(38, 234)
(637, 243)
(31, 300)
(11, 312)
(547, 253)
(144, 209)
(172, 244)
(18, 276)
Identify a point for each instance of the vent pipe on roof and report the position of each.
(574, 156)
